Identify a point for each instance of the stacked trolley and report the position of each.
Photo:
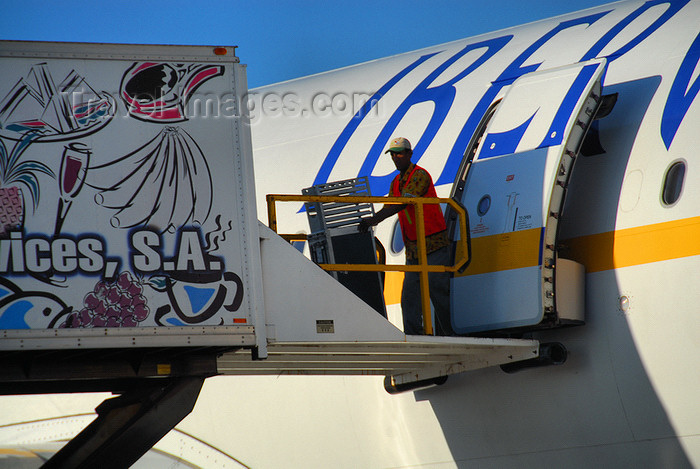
(335, 239)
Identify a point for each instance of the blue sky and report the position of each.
(279, 40)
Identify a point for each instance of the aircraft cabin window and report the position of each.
(484, 205)
(396, 239)
(673, 183)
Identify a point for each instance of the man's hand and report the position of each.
(364, 225)
(385, 212)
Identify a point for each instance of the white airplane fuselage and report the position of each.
(627, 394)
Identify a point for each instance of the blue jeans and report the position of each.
(439, 295)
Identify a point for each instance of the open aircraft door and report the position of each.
(513, 182)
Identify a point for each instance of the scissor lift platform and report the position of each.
(333, 332)
(414, 359)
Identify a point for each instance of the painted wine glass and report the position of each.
(74, 163)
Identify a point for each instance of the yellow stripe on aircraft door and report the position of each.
(505, 251)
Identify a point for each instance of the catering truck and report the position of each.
(125, 185)
(131, 255)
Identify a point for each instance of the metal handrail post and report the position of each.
(271, 211)
(423, 262)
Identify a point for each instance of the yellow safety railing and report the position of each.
(422, 267)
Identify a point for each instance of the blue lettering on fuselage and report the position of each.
(681, 95)
(678, 100)
(507, 77)
(339, 145)
(555, 134)
(674, 7)
(443, 96)
(504, 143)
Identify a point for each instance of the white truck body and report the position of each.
(129, 169)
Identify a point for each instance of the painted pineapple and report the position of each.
(14, 173)
(11, 209)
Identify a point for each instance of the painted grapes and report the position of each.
(112, 304)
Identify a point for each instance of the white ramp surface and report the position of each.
(317, 326)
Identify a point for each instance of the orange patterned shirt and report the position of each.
(418, 187)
